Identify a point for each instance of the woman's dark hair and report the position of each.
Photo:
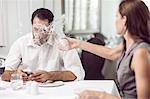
(43, 13)
(138, 18)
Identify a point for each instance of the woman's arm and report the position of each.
(103, 51)
(141, 66)
(91, 94)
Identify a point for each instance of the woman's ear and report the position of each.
(124, 18)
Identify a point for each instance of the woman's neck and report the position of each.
(129, 40)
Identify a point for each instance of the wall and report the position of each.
(108, 15)
(109, 8)
(108, 12)
(18, 14)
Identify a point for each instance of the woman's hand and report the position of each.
(72, 43)
(89, 94)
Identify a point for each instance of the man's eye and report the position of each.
(44, 30)
(40, 30)
(36, 29)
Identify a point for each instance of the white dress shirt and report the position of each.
(46, 57)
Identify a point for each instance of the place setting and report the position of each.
(51, 84)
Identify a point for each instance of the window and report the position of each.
(82, 16)
(3, 24)
(15, 19)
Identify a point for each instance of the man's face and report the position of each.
(40, 30)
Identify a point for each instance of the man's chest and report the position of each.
(41, 58)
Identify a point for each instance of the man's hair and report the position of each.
(42, 14)
(138, 18)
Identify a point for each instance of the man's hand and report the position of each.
(43, 76)
(24, 75)
(6, 76)
(40, 76)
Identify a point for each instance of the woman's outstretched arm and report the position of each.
(103, 51)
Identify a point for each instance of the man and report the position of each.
(38, 52)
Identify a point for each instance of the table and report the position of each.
(67, 91)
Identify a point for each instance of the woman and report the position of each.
(133, 55)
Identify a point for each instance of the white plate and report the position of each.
(51, 84)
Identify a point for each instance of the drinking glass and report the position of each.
(16, 81)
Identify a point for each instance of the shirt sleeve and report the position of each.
(72, 63)
(14, 57)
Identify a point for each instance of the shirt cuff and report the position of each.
(77, 72)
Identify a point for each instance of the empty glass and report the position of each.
(16, 81)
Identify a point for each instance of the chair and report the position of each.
(1, 67)
(92, 63)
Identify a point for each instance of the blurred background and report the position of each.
(83, 18)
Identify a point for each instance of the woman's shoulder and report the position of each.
(143, 46)
(141, 55)
(142, 51)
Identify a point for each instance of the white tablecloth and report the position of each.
(67, 91)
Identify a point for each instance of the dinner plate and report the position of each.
(51, 84)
